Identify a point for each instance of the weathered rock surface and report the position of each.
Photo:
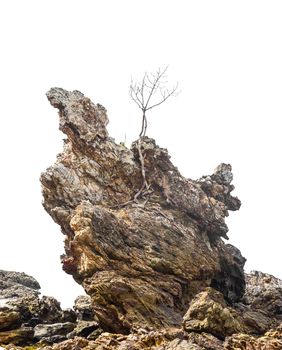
(153, 262)
(18, 300)
(83, 308)
(140, 261)
(23, 312)
(17, 284)
(83, 329)
(52, 333)
(209, 313)
(210, 323)
(264, 292)
(9, 318)
(19, 336)
(271, 340)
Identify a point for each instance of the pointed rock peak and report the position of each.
(80, 119)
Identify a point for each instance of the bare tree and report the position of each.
(150, 92)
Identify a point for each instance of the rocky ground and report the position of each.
(28, 318)
(146, 244)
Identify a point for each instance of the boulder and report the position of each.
(84, 329)
(19, 299)
(83, 308)
(53, 332)
(16, 284)
(50, 311)
(209, 313)
(25, 317)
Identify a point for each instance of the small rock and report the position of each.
(50, 310)
(69, 315)
(42, 331)
(83, 308)
(83, 329)
(95, 334)
(23, 335)
(181, 344)
(9, 319)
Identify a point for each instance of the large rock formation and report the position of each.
(146, 244)
(140, 259)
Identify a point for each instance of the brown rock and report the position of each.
(84, 329)
(209, 313)
(8, 319)
(205, 341)
(180, 344)
(72, 344)
(19, 336)
(83, 308)
(141, 260)
(50, 311)
(272, 340)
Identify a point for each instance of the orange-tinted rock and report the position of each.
(209, 313)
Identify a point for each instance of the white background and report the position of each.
(227, 58)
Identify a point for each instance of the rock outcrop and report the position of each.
(146, 244)
(141, 260)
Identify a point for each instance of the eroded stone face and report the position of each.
(142, 260)
(264, 292)
(209, 313)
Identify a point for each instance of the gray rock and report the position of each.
(264, 293)
(20, 304)
(42, 331)
(83, 308)
(53, 339)
(17, 285)
(95, 334)
(11, 278)
(19, 295)
(50, 310)
(83, 329)
(69, 315)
